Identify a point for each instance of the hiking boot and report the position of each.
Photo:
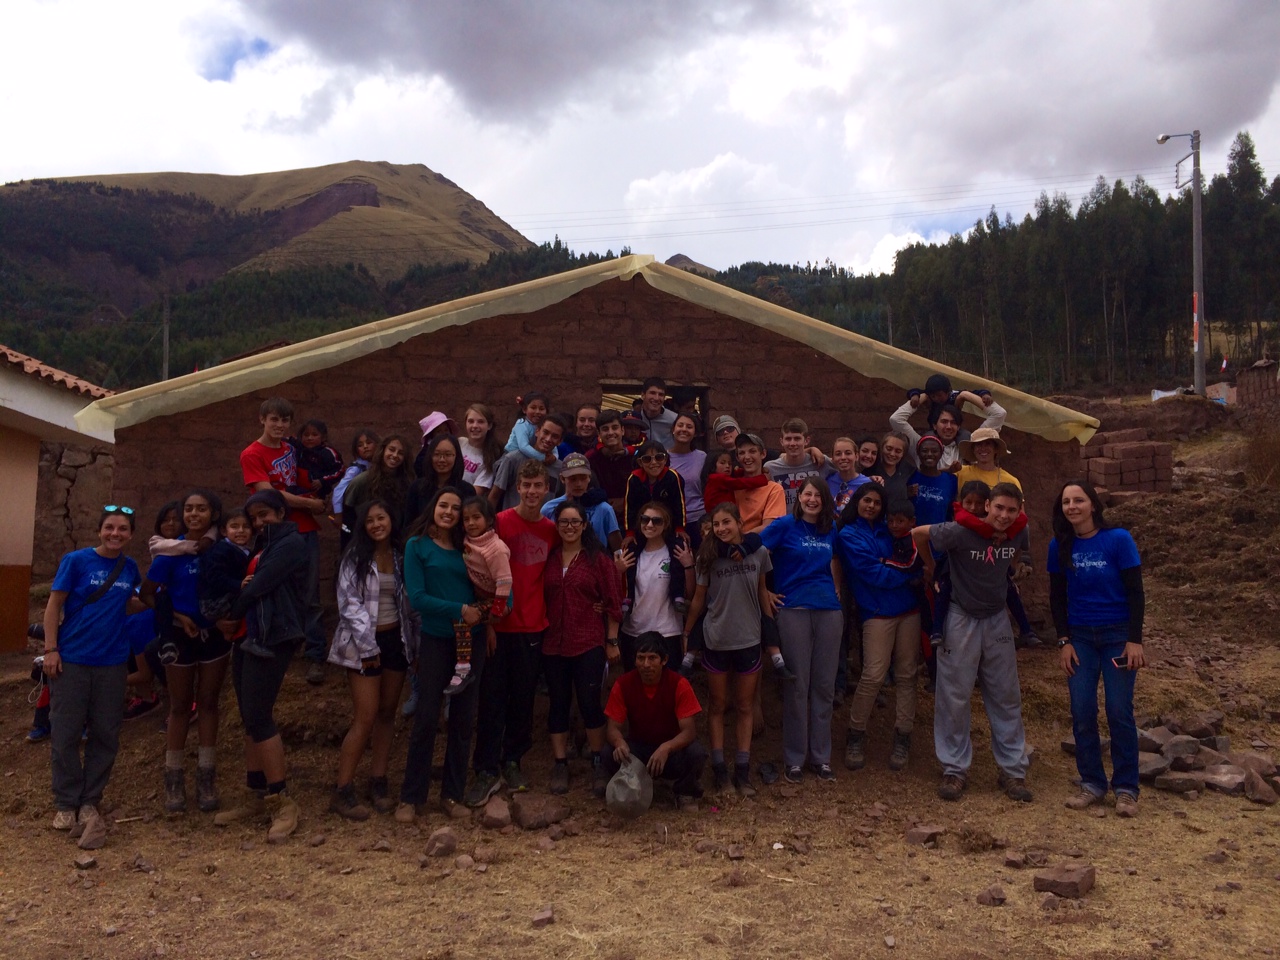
(1082, 800)
(343, 802)
(783, 672)
(952, 787)
(453, 809)
(405, 813)
(380, 795)
(768, 773)
(64, 819)
(855, 750)
(599, 778)
(1015, 788)
(824, 772)
(252, 805)
(138, 707)
(175, 791)
(284, 817)
(514, 777)
(719, 777)
(686, 803)
(1126, 805)
(793, 774)
(94, 836)
(82, 818)
(410, 705)
(484, 786)
(206, 789)
(315, 674)
(742, 781)
(38, 734)
(901, 750)
(559, 777)
(1029, 641)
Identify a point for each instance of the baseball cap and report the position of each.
(575, 465)
(722, 423)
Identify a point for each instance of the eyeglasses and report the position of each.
(653, 458)
(113, 508)
(570, 523)
(649, 521)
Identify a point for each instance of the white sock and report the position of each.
(778, 661)
(462, 669)
(208, 757)
(173, 759)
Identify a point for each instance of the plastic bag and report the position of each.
(630, 790)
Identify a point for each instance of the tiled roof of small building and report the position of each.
(52, 375)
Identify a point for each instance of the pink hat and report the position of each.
(434, 420)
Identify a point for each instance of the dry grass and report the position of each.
(1262, 457)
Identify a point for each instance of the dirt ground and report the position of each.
(825, 872)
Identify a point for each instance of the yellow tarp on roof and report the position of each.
(866, 356)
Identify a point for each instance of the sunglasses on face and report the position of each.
(649, 521)
(113, 508)
(653, 458)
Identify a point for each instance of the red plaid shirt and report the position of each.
(571, 594)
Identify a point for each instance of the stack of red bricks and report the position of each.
(1124, 463)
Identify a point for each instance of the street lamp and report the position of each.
(1197, 251)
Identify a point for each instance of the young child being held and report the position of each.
(937, 393)
(900, 519)
(488, 562)
(223, 566)
(534, 407)
(314, 455)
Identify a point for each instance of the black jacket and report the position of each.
(222, 568)
(275, 601)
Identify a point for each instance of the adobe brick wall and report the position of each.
(1257, 386)
(615, 331)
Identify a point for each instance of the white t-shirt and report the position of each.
(473, 468)
(652, 609)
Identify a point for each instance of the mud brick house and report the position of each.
(595, 331)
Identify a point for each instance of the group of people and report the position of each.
(619, 545)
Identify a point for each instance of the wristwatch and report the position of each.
(611, 641)
(1062, 643)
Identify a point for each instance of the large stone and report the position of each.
(1071, 880)
(1153, 740)
(1151, 765)
(993, 896)
(1181, 746)
(1200, 760)
(1179, 782)
(497, 814)
(924, 834)
(1069, 744)
(1254, 760)
(536, 811)
(442, 843)
(1225, 778)
(1206, 724)
(1221, 743)
(1257, 789)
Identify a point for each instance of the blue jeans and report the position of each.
(1095, 647)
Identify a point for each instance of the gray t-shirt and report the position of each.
(659, 427)
(506, 476)
(793, 476)
(733, 601)
(979, 570)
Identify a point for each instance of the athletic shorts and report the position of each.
(207, 646)
(390, 653)
(744, 661)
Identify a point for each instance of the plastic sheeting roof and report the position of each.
(868, 357)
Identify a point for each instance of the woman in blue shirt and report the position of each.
(810, 622)
(195, 656)
(86, 655)
(1095, 593)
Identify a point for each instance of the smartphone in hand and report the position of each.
(1120, 663)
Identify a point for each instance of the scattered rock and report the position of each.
(924, 834)
(1220, 743)
(384, 845)
(1015, 861)
(556, 832)
(571, 827)
(143, 865)
(1050, 901)
(706, 846)
(1179, 782)
(496, 814)
(993, 896)
(86, 861)
(535, 811)
(317, 840)
(1153, 741)
(1257, 789)
(442, 843)
(110, 931)
(1253, 760)
(1225, 778)
(890, 942)
(464, 862)
(481, 867)
(1066, 880)
(735, 851)
(1181, 746)
(1207, 724)
(483, 853)
(545, 844)
(800, 846)
(543, 917)
(1218, 856)
(1151, 765)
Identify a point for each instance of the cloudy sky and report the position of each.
(728, 130)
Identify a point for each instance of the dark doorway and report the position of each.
(623, 395)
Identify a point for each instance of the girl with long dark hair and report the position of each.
(443, 466)
(388, 478)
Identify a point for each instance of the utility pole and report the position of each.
(164, 368)
(1201, 326)
(890, 309)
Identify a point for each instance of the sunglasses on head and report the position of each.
(653, 458)
(114, 508)
(651, 521)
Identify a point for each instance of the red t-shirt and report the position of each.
(278, 466)
(530, 544)
(686, 701)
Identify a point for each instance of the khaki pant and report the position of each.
(886, 640)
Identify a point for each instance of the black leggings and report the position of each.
(257, 682)
(583, 674)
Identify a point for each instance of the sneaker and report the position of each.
(514, 777)
(686, 804)
(783, 672)
(405, 813)
(681, 605)
(768, 773)
(599, 778)
(824, 772)
(742, 781)
(484, 786)
(343, 802)
(64, 820)
(1082, 800)
(952, 787)
(793, 774)
(457, 683)
(38, 733)
(719, 777)
(1015, 788)
(138, 707)
(686, 668)
(206, 789)
(855, 750)
(379, 794)
(251, 806)
(1126, 805)
(315, 675)
(94, 835)
(1029, 641)
(559, 778)
(175, 791)
(284, 817)
(901, 750)
(410, 706)
(453, 809)
(935, 640)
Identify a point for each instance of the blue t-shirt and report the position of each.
(1095, 594)
(934, 497)
(802, 563)
(93, 635)
(842, 490)
(140, 630)
(601, 517)
(181, 575)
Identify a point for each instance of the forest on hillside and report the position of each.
(1098, 294)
